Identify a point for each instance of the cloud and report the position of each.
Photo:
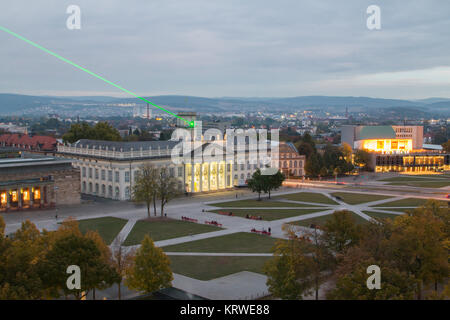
(229, 47)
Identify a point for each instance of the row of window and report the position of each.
(91, 173)
(95, 189)
(292, 164)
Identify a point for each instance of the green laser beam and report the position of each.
(18, 36)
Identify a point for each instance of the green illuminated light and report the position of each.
(191, 123)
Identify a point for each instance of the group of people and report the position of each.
(268, 232)
(253, 217)
(213, 222)
(188, 219)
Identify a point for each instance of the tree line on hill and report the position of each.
(33, 264)
(104, 131)
(410, 250)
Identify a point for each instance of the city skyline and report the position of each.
(230, 49)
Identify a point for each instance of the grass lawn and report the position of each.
(309, 197)
(404, 210)
(357, 198)
(257, 204)
(107, 227)
(162, 229)
(320, 221)
(423, 184)
(407, 202)
(241, 242)
(416, 178)
(207, 268)
(271, 214)
(381, 215)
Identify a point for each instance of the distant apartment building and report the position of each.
(33, 182)
(396, 148)
(142, 111)
(9, 127)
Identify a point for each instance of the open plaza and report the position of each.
(218, 243)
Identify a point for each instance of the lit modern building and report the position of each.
(396, 148)
(32, 182)
(383, 139)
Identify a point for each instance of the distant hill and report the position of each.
(20, 104)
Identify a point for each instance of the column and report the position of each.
(217, 175)
(192, 177)
(19, 198)
(209, 176)
(30, 190)
(42, 192)
(8, 200)
(201, 177)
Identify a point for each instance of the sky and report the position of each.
(234, 48)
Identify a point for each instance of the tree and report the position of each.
(419, 246)
(167, 188)
(313, 165)
(106, 257)
(145, 186)
(362, 159)
(260, 182)
(346, 151)
(69, 247)
(411, 250)
(298, 265)
(256, 183)
(305, 148)
(323, 172)
(151, 269)
(122, 261)
(100, 131)
(395, 285)
(321, 257)
(272, 182)
(341, 231)
(19, 276)
(446, 146)
(2, 227)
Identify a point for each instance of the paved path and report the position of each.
(219, 254)
(123, 234)
(243, 285)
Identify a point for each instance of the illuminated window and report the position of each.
(3, 198)
(380, 144)
(37, 193)
(26, 195)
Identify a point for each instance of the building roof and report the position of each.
(44, 143)
(287, 147)
(376, 132)
(124, 146)
(27, 162)
(432, 147)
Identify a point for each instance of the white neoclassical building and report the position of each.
(108, 169)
